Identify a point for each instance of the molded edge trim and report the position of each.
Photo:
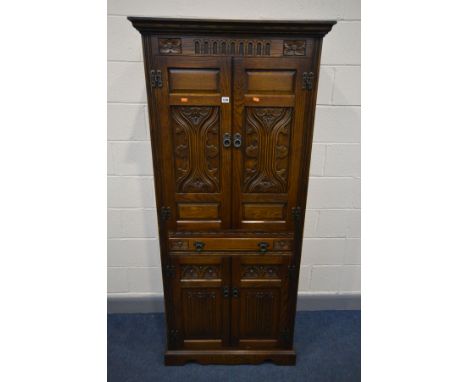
(154, 303)
(318, 28)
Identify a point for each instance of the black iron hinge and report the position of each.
(296, 213)
(307, 80)
(174, 336)
(170, 270)
(292, 271)
(156, 78)
(285, 335)
(165, 213)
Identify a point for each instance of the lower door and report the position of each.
(200, 286)
(260, 301)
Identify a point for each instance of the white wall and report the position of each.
(331, 254)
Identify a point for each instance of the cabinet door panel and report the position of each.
(197, 167)
(200, 305)
(269, 115)
(259, 301)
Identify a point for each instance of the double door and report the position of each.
(232, 132)
(223, 301)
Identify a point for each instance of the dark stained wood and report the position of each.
(232, 106)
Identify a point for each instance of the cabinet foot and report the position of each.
(229, 357)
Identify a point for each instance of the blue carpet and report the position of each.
(327, 343)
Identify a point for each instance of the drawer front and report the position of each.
(251, 244)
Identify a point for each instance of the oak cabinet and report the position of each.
(231, 106)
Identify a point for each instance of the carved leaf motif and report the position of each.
(196, 139)
(260, 271)
(267, 149)
(294, 47)
(200, 272)
(170, 46)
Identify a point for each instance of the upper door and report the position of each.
(193, 123)
(269, 115)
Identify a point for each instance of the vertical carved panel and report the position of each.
(267, 149)
(259, 317)
(202, 314)
(196, 148)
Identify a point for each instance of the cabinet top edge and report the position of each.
(214, 26)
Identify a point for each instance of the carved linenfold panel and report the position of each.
(202, 315)
(267, 149)
(259, 318)
(170, 46)
(294, 47)
(260, 272)
(194, 272)
(196, 141)
(232, 47)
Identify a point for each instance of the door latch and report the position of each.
(307, 80)
(156, 78)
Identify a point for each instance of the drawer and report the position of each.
(203, 244)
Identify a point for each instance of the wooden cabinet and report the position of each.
(231, 107)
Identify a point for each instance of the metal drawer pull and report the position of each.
(237, 140)
(199, 245)
(227, 140)
(263, 245)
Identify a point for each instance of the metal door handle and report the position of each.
(237, 140)
(227, 140)
(235, 292)
(225, 291)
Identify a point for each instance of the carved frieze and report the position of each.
(237, 47)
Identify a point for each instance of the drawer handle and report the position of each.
(263, 245)
(235, 292)
(199, 245)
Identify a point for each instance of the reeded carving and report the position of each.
(259, 314)
(196, 141)
(267, 149)
(294, 47)
(203, 272)
(170, 46)
(260, 271)
(241, 47)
